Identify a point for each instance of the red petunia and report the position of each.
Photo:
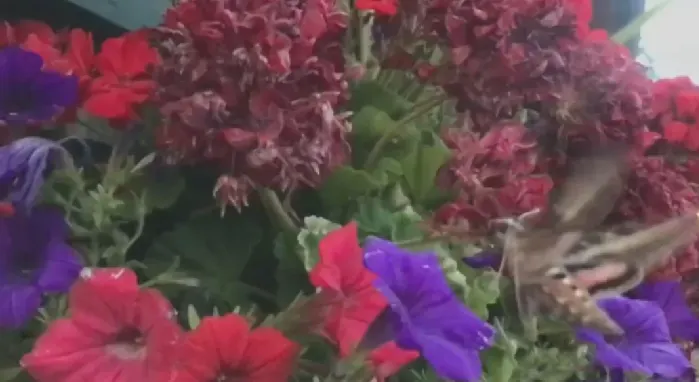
(341, 270)
(224, 348)
(388, 358)
(116, 332)
(384, 7)
(123, 83)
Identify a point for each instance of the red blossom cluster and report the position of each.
(113, 82)
(254, 87)
(676, 104)
(576, 90)
(118, 331)
(497, 174)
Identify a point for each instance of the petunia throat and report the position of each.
(129, 344)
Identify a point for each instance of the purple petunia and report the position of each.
(669, 297)
(423, 312)
(24, 164)
(34, 260)
(30, 94)
(645, 347)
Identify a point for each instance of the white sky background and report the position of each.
(670, 40)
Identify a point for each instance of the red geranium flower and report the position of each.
(384, 7)
(123, 83)
(116, 332)
(341, 270)
(224, 349)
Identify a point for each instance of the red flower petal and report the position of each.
(217, 343)
(675, 131)
(384, 7)
(388, 358)
(127, 56)
(223, 347)
(341, 269)
(116, 332)
(269, 356)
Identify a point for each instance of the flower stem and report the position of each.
(276, 211)
(418, 110)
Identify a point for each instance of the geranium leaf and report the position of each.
(290, 275)
(420, 167)
(210, 248)
(347, 183)
(315, 228)
(372, 94)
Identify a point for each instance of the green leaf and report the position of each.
(346, 184)
(374, 218)
(315, 228)
(291, 275)
(193, 318)
(210, 248)
(371, 123)
(162, 191)
(420, 167)
(370, 93)
(499, 365)
(633, 29)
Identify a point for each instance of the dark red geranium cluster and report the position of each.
(254, 87)
(497, 174)
(113, 82)
(120, 332)
(576, 89)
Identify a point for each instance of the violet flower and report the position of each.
(30, 94)
(484, 259)
(669, 297)
(24, 164)
(34, 260)
(423, 312)
(645, 347)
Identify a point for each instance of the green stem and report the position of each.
(276, 211)
(363, 37)
(419, 110)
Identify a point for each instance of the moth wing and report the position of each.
(529, 255)
(630, 256)
(590, 192)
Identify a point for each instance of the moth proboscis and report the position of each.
(562, 261)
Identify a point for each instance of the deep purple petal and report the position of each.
(56, 89)
(642, 321)
(608, 355)
(669, 296)
(29, 93)
(426, 315)
(29, 158)
(60, 270)
(453, 362)
(18, 304)
(662, 359)
(484, 259)
(645, 347)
